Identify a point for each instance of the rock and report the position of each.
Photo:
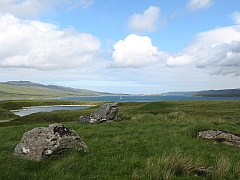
(106, 112)
(203, 171)
(221, 136)
(41, 142)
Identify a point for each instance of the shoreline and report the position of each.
(62, 105)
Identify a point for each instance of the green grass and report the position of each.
(8, 91)
(11, 91)
(154, 140)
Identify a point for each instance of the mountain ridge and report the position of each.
(31, 89)
(219, 93)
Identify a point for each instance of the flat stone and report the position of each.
(221, 136)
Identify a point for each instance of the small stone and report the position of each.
(203, 171)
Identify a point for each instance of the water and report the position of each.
(145, 98)
(31, 110)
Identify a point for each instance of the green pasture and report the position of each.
(153, 140)
(9, 91)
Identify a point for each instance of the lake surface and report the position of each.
(127, 98)
(31, 110)
(145, 98)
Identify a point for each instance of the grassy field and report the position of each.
(33, 90)
(7, 91)
(154, 140)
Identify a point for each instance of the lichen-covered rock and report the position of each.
(221, 136)
(41, 142)
(106, 112)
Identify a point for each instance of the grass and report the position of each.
(154, 140)
(10, 91)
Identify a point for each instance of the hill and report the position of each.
(27, 89)
(207, 93)
(219, 93)
(187, 93)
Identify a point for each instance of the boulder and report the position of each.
(221, 136)
(42, 142)
(106, 112)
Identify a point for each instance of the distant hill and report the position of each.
(18, 89)
(187, 93)
(219, 93)
(207, 93)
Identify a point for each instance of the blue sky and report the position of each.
(122, 46)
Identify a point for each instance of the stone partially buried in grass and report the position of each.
(42, 142)
(221, 136)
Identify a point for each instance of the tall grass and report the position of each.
(224, 169)
(167, 167)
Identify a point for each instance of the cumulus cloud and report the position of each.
(217, 50)
(193, 5)
(135, 51)
(26, 8)
(33, 44)
(148, 21)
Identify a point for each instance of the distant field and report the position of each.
(7, 91)
(16, 91)
(154, 140)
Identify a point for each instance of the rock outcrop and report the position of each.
(221, 136)
(41, 142)
(106, 112)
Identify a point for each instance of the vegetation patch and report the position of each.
(153, 140)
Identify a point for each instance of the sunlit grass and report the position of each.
(153, 141)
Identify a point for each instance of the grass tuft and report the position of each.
(167, 167)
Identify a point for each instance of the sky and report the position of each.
(122, 46)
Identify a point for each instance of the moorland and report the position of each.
(153, 140)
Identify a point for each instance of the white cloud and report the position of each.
(179, 60)
(193, 5)
(236, 17)
(217, 50)
(33, 44)
(135, 51)
(148, 21)
(26, 8)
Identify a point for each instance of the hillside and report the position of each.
(219, 93)
(187, 93)
(27, 89)
(207, 93)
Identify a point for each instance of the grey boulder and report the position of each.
(42, 142)
(106, 112)
(221, 136)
